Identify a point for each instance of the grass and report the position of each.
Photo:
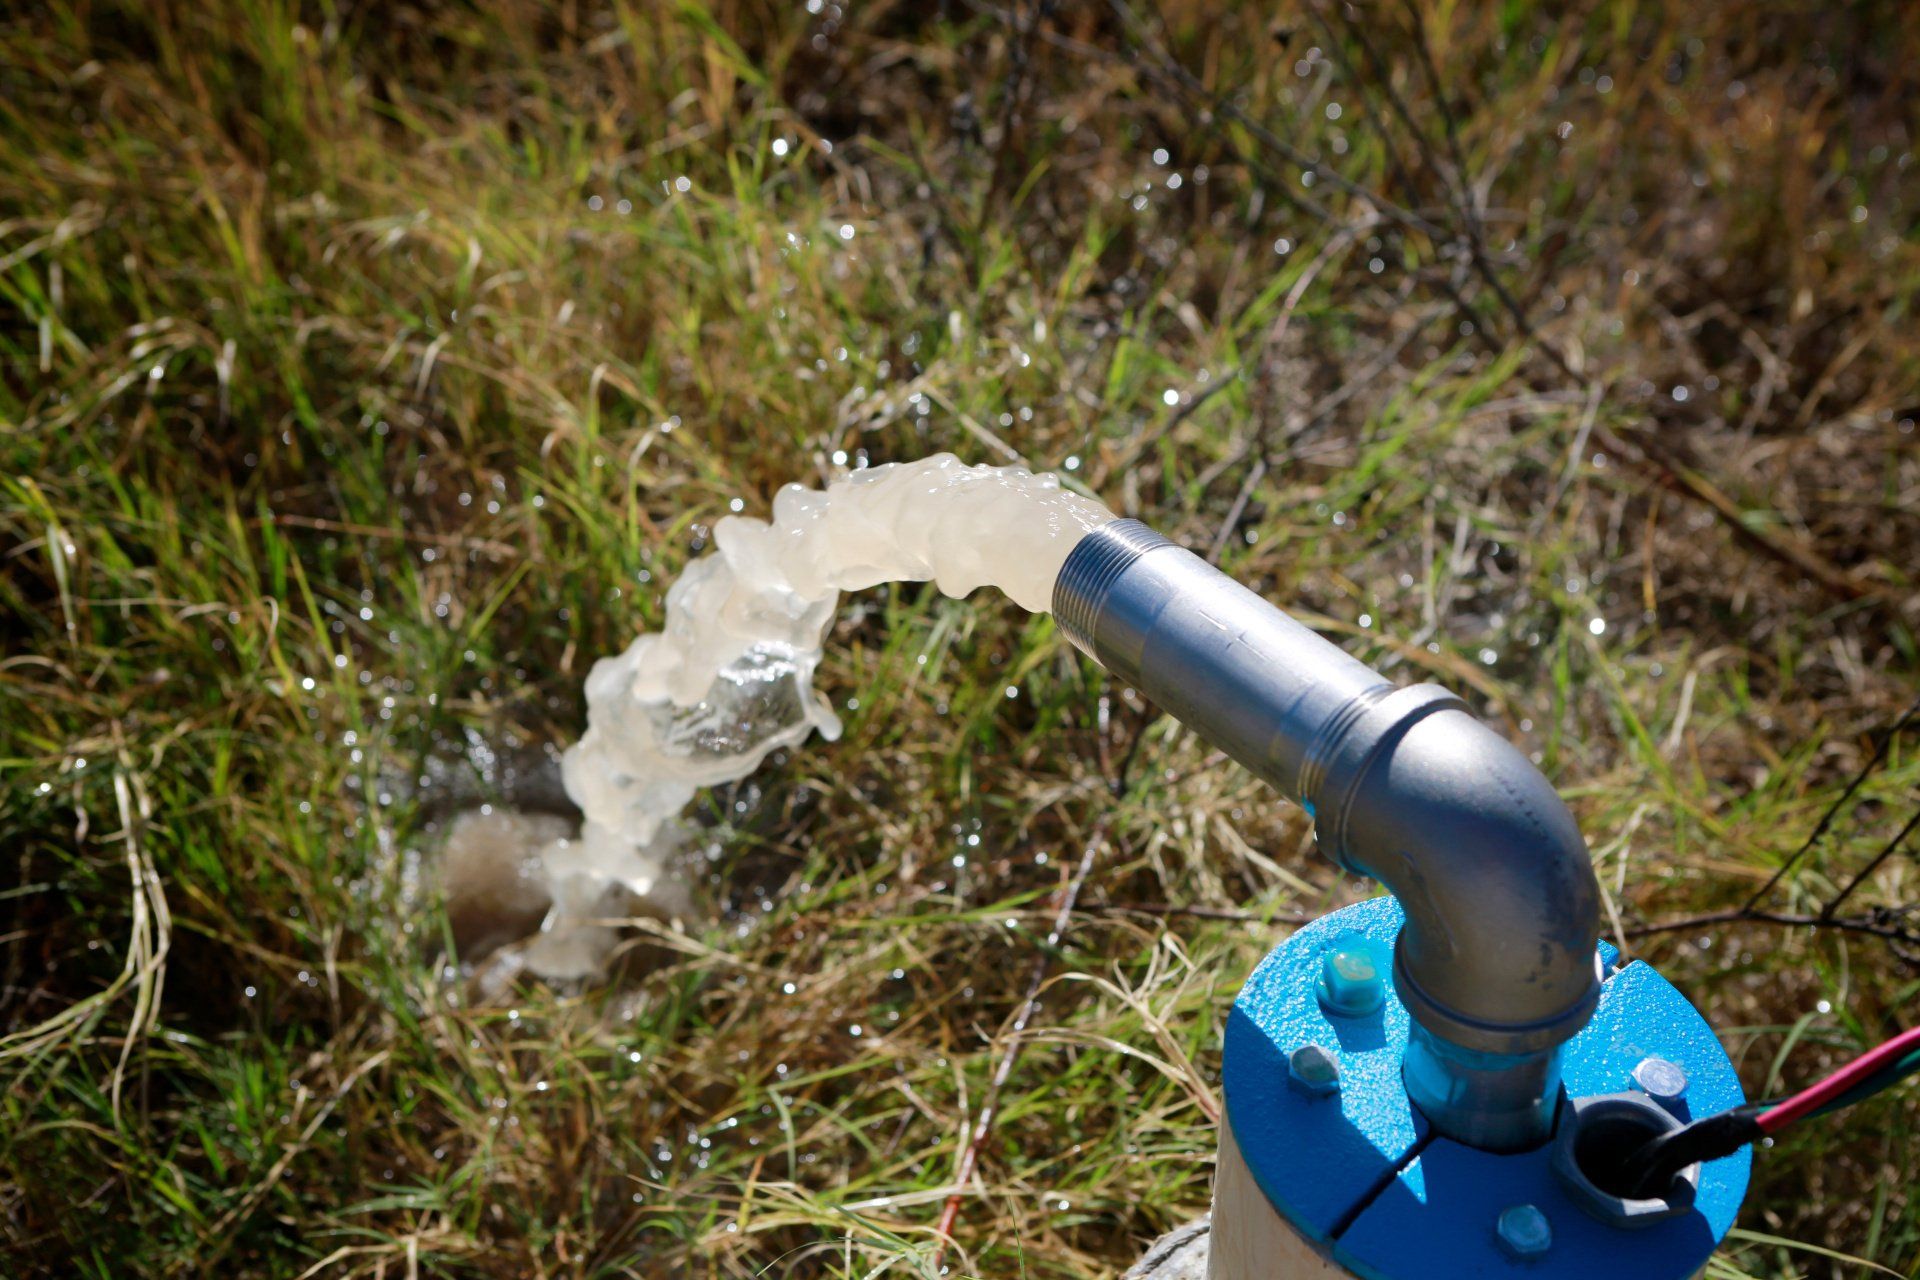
(367, 371)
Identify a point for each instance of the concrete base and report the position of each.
(1177, 1255)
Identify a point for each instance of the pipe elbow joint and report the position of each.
(1502, 907)
(1496, 962)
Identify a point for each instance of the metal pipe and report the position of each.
(1497, 960)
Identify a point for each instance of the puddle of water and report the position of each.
(494, 890)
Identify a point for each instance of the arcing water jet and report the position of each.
(728, 680)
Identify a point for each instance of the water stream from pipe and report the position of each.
(729, 679)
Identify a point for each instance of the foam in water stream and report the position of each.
(729, 678)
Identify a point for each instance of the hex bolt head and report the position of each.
(1314, 1071)
(1524, 1233)
(1351, 984)
(1663, 1081)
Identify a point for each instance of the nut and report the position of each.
(1313, 1070)
(1524, 1233)
(1597, 1133)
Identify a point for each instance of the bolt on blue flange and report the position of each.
(1313, 1071)
(1352, 978)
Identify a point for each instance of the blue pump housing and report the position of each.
(1359, 1173)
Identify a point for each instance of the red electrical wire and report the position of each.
(1782, 1114)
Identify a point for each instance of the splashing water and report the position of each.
(729, 678)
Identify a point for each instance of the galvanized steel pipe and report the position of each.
(1496, 962)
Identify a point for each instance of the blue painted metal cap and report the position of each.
(1360, 1173)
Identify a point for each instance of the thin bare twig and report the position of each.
(1063, 903)
(1833, 810)
(1873, 925)
(1169, 909)
(1450, 127)
(1164, 68)
(1873, 865)
(1470, 238)
(1189, 405)
(1064, 900)
(1786, 548)
(1312, 421)
(1255, 474)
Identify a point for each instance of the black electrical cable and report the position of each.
(1650, 1170)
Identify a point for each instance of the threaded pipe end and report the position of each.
(1092, 567)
